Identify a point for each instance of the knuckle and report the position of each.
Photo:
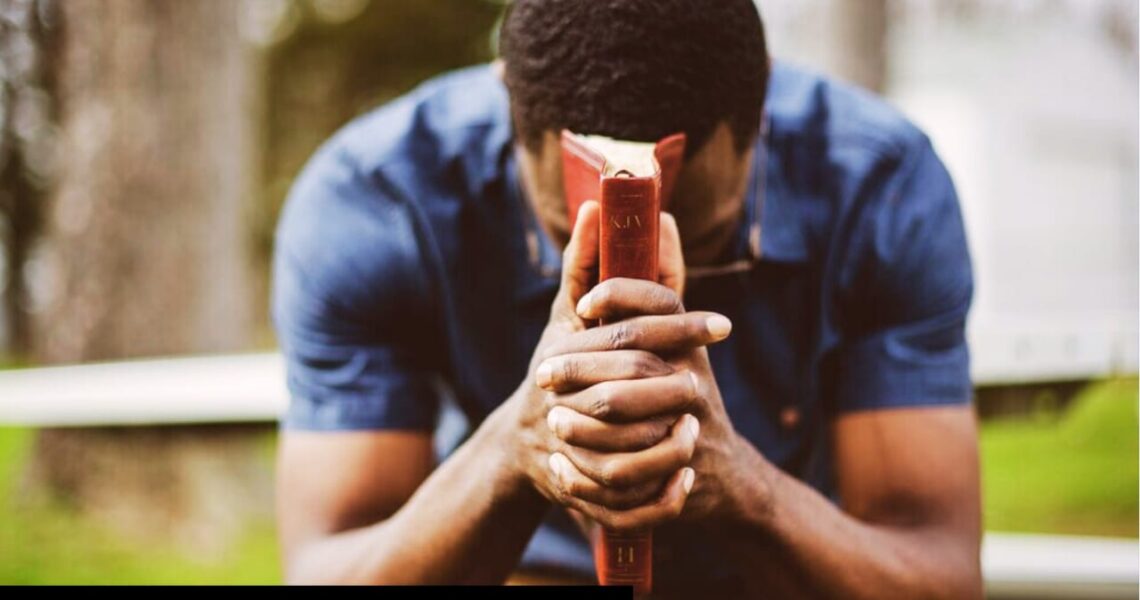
(619, 336)
(669, 300)
(568, 370)
(564, 429)
(610, 472)
(599, 408)
(601, 404)
(648, 435)
(693, 327)
(559, 492)
(646, 364)
(691, 397)
(571, 486)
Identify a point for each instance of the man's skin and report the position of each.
(624, 425)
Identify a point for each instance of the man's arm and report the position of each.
(910, 523)
(361, 507)
(905, 440)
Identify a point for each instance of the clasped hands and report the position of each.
(624, 422)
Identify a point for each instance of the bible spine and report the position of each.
(630, 219)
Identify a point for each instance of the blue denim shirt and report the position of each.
(408, 263)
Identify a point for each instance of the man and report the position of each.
(788, 407)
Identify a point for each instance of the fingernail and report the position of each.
(583, 307)
(719, 326)
(544, 374)
(687, 479)
(694, 426)
(556, 464)
(554, 418)
(696, 383)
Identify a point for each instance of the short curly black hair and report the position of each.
(635, 69)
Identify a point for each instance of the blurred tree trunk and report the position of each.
(145, 249)
(859, 41)
(146, 238)
(26, 116)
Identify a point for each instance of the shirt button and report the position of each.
(789, 417)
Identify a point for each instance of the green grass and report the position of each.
(1075, 474)
(43, 542)
(58, 548)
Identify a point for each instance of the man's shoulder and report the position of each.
(351, 212)
(850, 166)
(824, 114)
(459, 115)
(860, 192)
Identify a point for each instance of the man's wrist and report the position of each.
(751, 495)
(497, 440)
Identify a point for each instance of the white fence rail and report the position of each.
(252, 388)
(214, 389)
(1060, 567)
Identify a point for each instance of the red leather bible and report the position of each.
(632, 181)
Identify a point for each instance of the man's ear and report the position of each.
(499, 67)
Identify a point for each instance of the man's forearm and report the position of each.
(467, 523)
(790, 540)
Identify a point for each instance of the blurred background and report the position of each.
(146, 147)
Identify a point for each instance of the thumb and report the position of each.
(580, 258)
(670, 261)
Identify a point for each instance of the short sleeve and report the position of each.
(351, 307)
(906, 290)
